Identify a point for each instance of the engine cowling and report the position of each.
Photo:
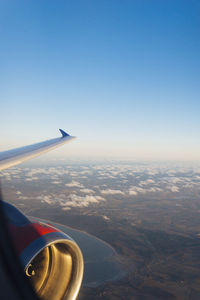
(52, 261)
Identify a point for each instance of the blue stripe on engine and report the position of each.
(39, 244)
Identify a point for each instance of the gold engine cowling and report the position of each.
(52, 261)
(56, 271)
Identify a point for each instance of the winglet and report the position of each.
(64, 134)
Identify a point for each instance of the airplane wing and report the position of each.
(51, 260)
(16, 156)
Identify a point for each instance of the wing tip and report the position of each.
(64, 134)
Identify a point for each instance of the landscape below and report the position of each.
(147, 212)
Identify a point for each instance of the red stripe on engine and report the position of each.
(24, 235)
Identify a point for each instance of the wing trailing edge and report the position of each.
(16, 156)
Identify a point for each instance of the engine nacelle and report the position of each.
(52, 261)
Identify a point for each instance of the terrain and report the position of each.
(148, 212)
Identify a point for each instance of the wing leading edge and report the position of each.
(16, 156)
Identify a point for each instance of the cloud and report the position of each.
(136, 190)
(106, 218)
(175, 179)
(74, 174)
(32, 178)
(152, 172)
(146, 182)
(32, 172)
(18, 193)
(85, 172)
(51, 171)
(45, 198)
(7, 175)
(74, 184)
(174, 189)
(78, 201)
(112, 192)
(66, 208)
(23, 197)
(133, 193)
(155, 189)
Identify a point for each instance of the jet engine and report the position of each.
(52, 261)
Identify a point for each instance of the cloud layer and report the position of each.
(83, 186)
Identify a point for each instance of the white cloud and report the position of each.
(146, 182)
(78, 201)
(106, 218)
(45, 198)
(133, 193)
(152, 172)
(112, 192)
(18, 193)
(23, 197)
(85, 172)
(138, 190)
(32, 172)
(31, 178)
(175, 180)
(155, 189)
(74, 174)
(174, 189)
(74, 184)
(66, 208)
(7, 175)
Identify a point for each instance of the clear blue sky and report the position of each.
(123, 76)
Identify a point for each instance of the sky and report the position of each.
(122, 76)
